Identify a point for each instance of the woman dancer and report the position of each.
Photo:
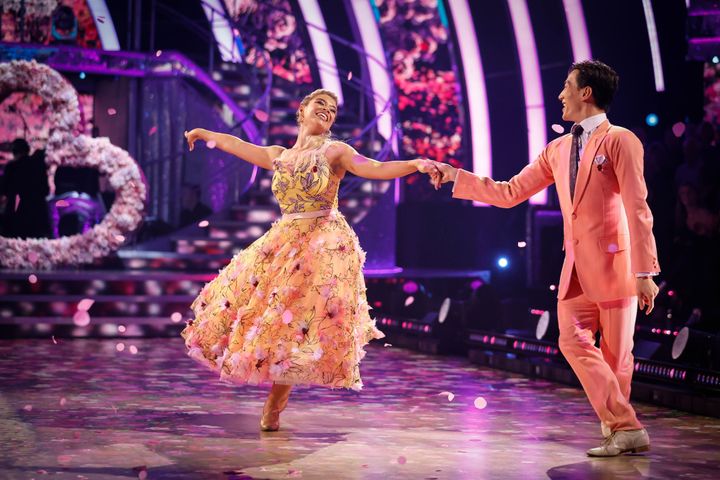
(291, 309)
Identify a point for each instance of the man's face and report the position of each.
(571, 97)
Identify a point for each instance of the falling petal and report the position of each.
(449, 395)
(81, 318)
(287, 317)
(133, 349)
(211, 144)
(350, 75)
(28, 408)
(100, 19)
(85, 304)
(559, 129)
(32, 278)
(120, 347)
(409, 301)
(152, 131)
(203, 224)
(261, 115)
(402, 460)
(63, 402)
(120, 238)
(111, 111)
(158, 53)
(142, 474)
(388, 345)
(121, 328)
(53, 340)
(176, 317)
(480, 403)
(678, 129)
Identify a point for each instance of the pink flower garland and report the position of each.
(65, 147)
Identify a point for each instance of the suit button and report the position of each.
(576, 241)
(574, 216)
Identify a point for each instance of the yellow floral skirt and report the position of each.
(290, 309)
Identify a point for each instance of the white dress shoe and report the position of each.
(622, 441)
(606, 432)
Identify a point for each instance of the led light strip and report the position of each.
(104, 24)
(322, 47)
(579, 38)
(474, 79)
(532, 84)
(654, 46)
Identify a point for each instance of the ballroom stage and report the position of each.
(79, 408)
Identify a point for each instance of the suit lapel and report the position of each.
(586, 161)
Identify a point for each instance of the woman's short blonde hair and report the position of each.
(309, 97)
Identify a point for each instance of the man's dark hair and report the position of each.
(600, 77)
(20, 147)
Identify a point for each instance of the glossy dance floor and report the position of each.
(81, 409)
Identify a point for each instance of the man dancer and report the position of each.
(610, 253)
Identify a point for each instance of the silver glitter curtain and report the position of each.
(169, 108)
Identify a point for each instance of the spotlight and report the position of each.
(543, 324)
(82, 75)
(716, 59)
(651, 120)
(444, 309)
(697, 347)
(503, 262)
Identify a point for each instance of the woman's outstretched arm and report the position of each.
(260, 156)
(365, 167)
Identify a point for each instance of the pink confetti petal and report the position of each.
(111, 111)
(85, 304)
(203, 224)
(142, 474)
(350, 75)
(211, 144)
(158, 53)
(678, 129)
(120, 347)
(559, 129)
(81, 318)
(261, 115)
(387, 345)
(409, 301)
(28, 408)
(53, 340)
(63, 401)
(402, 460)
(176, 317)
(152, 131)
(287, 317)
(121, 328)
(480, 403)
(120, 238)
(133, 349)
(449, 395)
(100, 19)
(32, 278)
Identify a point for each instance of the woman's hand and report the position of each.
(193, 135)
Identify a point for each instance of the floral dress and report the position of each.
(290, 308)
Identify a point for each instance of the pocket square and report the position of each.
(600, 161)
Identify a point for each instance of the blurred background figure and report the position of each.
(25, 188)
(193, 209)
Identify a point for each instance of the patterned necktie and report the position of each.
(576, 131)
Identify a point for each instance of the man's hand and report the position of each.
(646, 292)
(445, 173)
